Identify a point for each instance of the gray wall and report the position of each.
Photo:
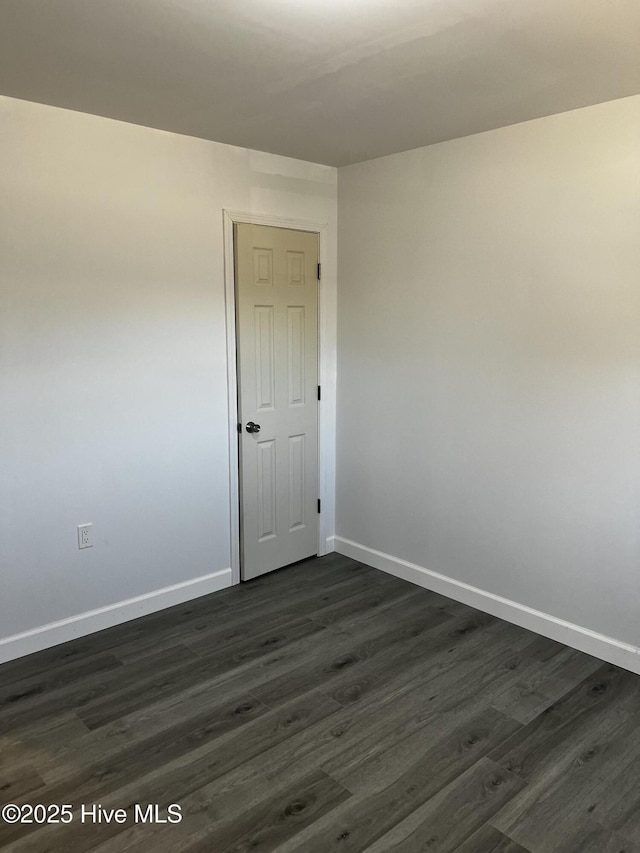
(489, 362)
(113, 374)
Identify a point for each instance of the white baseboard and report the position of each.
(330, 546)
(599, 645)
(114, 614)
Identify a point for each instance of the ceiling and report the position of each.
(332, 81)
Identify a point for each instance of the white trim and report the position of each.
(584, 639)
(330, 546)
(113, 614)
(232, 395)
(325, 438)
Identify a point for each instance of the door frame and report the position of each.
(325, 423)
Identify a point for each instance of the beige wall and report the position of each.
(489, 362)
(113, 375)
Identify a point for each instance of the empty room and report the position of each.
(320, 426)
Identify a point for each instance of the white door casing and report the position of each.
(277, 362)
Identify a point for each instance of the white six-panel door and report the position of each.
(277, 341)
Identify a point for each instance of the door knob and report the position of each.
(251, 427)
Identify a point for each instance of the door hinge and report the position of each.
(318, 504)
(319, 392)
(239, 427)
(319, 271)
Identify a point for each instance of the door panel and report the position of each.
(265, 358)
(296, 352)
(277, 332)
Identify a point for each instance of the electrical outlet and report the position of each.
(85, 536)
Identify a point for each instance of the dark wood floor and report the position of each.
(327, 707)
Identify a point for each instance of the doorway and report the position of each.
(276, 324)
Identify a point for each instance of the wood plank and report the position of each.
(205, 634)
(86, 690)
(618, 806)
(544, 682)
(452, 687)
(289, 584)
(63, 760)
(566, 722)
(172, 782)
(347, 594)
(358, 824)
(366, 724)
(268, 825)
(575, 802)
(368, 604)
(264, 825)
(390, 629)
(35, 686)
(177, 706)
(146, 755)
(566, 801)
(35, 743)
(487, 839)
(410, 660)
(449, 698)
(255, 778)
(118, 703)
(590, 837)
(455, 813)
(15, 782)
(513, 635)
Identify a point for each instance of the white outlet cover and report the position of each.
(85, 536)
